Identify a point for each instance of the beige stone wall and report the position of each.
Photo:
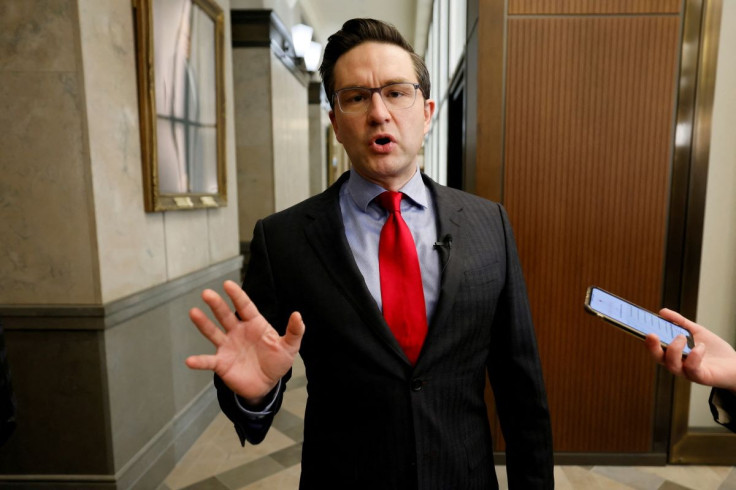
(106, 285)
(318, 123)
(290, 137)
(272, 133)
(48, 250)
(253, 128)
(71, 193)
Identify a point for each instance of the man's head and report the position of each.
(383, 111)
(357, 31)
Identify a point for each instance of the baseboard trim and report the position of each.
(144, 468)
(705, 448)
(150, 465)
(600, 459)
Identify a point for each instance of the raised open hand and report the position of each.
(711, 362)
(251, 356)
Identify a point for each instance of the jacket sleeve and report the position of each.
(515, 374)
(723, 407)
(253, 424)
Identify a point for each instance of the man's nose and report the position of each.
(377, 108)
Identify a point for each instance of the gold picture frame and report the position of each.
(180, 60)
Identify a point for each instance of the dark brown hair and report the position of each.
(358, 31)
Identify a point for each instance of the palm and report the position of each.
(251, 357)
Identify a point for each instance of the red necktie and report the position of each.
(402, 293)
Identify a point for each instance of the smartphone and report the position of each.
(634, 319)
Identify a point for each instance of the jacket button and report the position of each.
(417, 385)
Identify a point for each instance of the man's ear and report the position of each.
(335, 127)
(428, 111)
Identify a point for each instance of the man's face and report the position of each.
(382, 144)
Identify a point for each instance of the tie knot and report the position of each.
(390, 201)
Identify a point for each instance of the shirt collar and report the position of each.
(363, 192)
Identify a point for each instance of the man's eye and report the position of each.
(353, 97)
(397, 91)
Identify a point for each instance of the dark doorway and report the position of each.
(456, 134)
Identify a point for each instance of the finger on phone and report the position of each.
(673, 354)
(651, 341)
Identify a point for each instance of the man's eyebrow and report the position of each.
(398, 80)
(387, 82)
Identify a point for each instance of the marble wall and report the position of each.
(290, 136)
(48, 251)
(94, 291)
(272, 134)
(110, 407)
(254, 126)
(318, 124)
(140, 249)
(71, 195)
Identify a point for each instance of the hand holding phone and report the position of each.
(634, 319)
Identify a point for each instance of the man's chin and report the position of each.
(387, 174)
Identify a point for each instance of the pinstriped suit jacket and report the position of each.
(372, 420)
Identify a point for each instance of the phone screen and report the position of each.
(635, 317)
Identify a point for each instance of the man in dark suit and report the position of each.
(395, 393)
(712, 362)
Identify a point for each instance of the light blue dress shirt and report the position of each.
(363, 218)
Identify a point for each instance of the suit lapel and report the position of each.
(323, 233)
(449, 224)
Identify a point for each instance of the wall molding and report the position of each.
(103, 317)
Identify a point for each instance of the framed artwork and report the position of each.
(180, 58)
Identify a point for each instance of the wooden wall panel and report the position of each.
(536, 7)
(589, 114)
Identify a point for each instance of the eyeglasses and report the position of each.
(357, 100)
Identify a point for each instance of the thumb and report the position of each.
(294, 331)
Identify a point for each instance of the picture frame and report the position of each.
(180, 61)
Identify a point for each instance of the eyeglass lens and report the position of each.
(395, 96)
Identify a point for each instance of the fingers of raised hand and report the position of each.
(220, 309)
(202, 362)
(294, 332)
(206, 327)
(243, 305)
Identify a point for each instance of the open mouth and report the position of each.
(383, 141)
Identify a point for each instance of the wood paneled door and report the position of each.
(590, 93)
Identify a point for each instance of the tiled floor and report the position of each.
(218, 462)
